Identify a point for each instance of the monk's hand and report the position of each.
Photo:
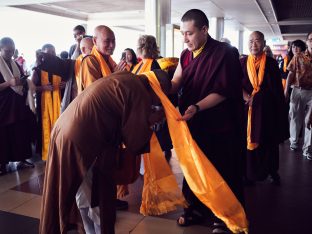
(14, 82)
(62, 84)
(189, 113)
(249, 100)
(47, 87)
(121, 66)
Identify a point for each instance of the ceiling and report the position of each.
(284, 19)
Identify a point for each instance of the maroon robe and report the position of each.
(217, 130)
(15, 125)
(269, 126)
(110, 111)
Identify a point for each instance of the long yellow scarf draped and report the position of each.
(256, 80)
(145, 66)
(50, 109)
(105, 69)
(161, 193)
(204, 180)
(77, 73)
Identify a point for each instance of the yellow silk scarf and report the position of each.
(256, 80)
(145, 67)
(77, 73)
(204, 180)
(105, 69)
(166, 63)
(161, 193)
(50, 109)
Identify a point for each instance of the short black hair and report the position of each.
(260, 34)
(300, 44)
(6, 41)
(199, 17)
(64, 55)
(79, 28)
(47, 46)
(134, 57)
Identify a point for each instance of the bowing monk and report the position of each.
(91, 131)
(209, 74)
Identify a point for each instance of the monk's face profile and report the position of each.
(193, 36)
(104, 40)
(256, 44)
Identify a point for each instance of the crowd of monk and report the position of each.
(93, 120)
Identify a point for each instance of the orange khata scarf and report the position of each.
(285, 64)
(256, 80)
(77, 73)
(161, 193)
(166, 63)
(105, 69)
(202, 177)
(144, 66)
(50, 109)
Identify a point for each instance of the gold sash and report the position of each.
(77, 73)
(50, 109)
(144, 66)
(256, 80)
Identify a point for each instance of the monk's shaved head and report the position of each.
(104, 40)
(102, 29)
(86, 45)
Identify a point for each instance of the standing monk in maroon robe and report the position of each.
(265, 110)
(16, 119)
(209, 75)
(110, 112)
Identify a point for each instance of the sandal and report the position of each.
(188, 220)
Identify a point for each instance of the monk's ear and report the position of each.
(94, 40)
(205, 29)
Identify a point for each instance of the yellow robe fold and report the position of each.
(50, 109)
(256, 80)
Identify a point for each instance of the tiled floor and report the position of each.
(284, 209)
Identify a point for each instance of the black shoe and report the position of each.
(24, 164)
(121, 205)
(3, 169)
(220, 227)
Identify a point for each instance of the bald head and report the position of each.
(256, 43)
(86, 46)
(104, 40)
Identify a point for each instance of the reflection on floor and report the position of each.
(284, 209)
